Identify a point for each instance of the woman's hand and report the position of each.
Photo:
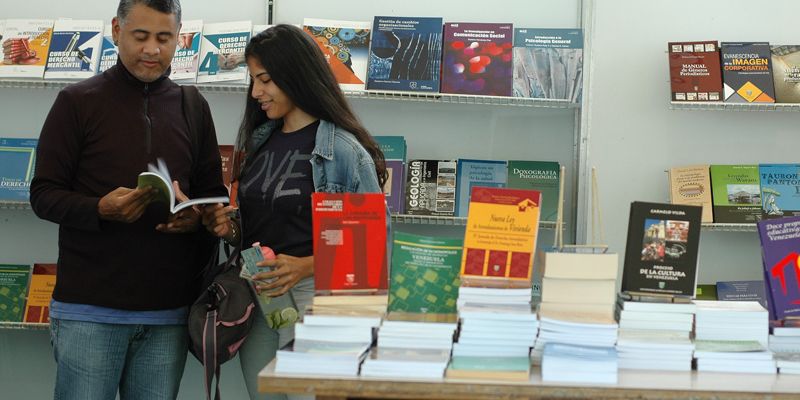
(217, 220)
(286, 272)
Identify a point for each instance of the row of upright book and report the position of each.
(738, 193)
(414, 54)
(734, 72)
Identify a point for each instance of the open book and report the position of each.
(158, 178)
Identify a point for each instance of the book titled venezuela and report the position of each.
(780, 252)
(747, 73)
(548, 63)
(786, 73)
(424, 274)
(477, 59)
(43, 281)
(405, 54)
(17, 161)
(222, 52)
(694, 71)
(109, 50)
(780, 190)
(543, 176)
(661, 250)
(13, 288)
(431, 187)
(350, 247)
(26, 43)
(736, 192)
(472, 173)
(75, 49)
(345, 45)
(187, 55)
(500, 238)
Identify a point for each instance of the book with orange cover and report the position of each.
(43, 281)
(500, 238)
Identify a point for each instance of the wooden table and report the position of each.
(650, 385)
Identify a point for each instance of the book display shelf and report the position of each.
(721, 106)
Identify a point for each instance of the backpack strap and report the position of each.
(192, 105)
(210, 366)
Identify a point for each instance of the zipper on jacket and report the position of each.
(148, 124)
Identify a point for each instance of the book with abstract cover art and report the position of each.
(350, 247)
(662, 248)
(431, 187)
(345, 45)
(477, 59)
(222, 52)
(780, 190)
(780, 252)
(694, 71)
(472, 173)
(691, 185)
(747, 73)
(75, 49)
(43, 281)
(13, 288)
(786, 73)
(108, 50)
(544, 176)
(500, 238)
(736, 193)
(26, 43)
(17, 162)
(187, 55)
(548, 63)
(405, 54)
(424, 274)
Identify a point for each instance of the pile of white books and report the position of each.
(731, 320)
(413, 349)
(655, 336)
(574, 333)
(747, 356)
(785, 344)
(566, 363)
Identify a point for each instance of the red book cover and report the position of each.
(43, 281)
(349, 242)
(694, 71)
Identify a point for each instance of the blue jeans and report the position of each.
(96, 360)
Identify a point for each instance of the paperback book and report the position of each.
(345, 45)
(662, 248)
(108, 51)
(75, 49)
(17, 162)
(692, 186)
(543, 176)
(780, 190)
(13, 289)
(394, 152)
(747, 72)
(780, 252)
(477, 59)
(548, 63)
(187, 55)
(40, 293)
(431, 187)
(742, 291)
(786, 73)
(405, 54)
(424, 274)
(736, 193)
(26, 43)
(222, 52)
(694, 71)
(157, 177)
(474, 173)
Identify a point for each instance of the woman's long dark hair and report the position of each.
(297, 66)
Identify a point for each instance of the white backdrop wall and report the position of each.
(634, 136)
(432, 131)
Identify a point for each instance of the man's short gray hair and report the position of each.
(164, 6)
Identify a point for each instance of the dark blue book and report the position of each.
(472, 173)
(405, 54)
(742, 291)
(17, 160)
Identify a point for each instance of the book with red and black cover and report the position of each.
(747, 72)
(349, 231)
(477, 59)
(694, 71)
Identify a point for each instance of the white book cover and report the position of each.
(75, 49)
(108, 52)
(25, 46)
(258, 28)
(222, 52)
(346, 48)
(186, 59)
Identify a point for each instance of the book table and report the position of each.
(632, 384)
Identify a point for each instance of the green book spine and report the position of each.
(537, 175)
(736, 193)
(13, 290)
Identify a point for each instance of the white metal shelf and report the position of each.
(359, 94)
(14, 205)
(30, 326)
(722, 106)
(721, 227)
(439, 220)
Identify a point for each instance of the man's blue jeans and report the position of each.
(96, 360)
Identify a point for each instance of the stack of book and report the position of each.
(566, 363)
(784, 343)
(414, 349)
(652, 331)
(748, 356)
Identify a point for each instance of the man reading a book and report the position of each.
(126, 265)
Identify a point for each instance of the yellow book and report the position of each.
(43, 281)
